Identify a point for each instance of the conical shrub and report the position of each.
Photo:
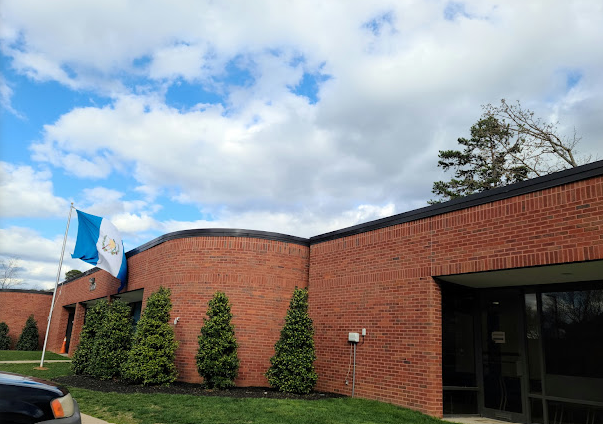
(292, 366)
(28, 340)
(151, 359)
(217, 360)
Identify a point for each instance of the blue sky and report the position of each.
(294, 117)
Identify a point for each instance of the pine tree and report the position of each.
(28, 340)
(112, 342)
(104, 341)
(80, 363)
(292, 366)
(485, 163)
(151, 359)
(4, 339)
(217, 360)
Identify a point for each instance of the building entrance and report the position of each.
(529, 354)
(503, 357)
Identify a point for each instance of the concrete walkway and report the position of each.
(87, 419)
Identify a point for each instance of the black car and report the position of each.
(26, 400)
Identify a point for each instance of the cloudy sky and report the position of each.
(298, 117)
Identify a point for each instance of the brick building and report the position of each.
(490, 304)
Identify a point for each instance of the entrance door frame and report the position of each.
(523, 363)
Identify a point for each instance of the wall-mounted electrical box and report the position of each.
(354, 337)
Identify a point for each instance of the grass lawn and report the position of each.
(27, 355)
(181, 409)
(54, 369)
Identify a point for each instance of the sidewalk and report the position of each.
(87, 419)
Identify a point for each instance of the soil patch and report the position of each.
(181, 388)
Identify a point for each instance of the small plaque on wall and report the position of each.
(498, 337)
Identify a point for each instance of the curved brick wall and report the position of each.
(257, 275)
(17, 305)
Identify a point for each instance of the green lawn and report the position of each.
(26, 355)
(54, 369)
(184, 409)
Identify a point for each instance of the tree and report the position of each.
(486, 161)
(80, 363)
(112, 342)
(104, 341)
(9, 273)
(4, 339)
(540, 147)
(28, 340)
(292, 366)
(151, 359)
(217, 360)
(72, 274)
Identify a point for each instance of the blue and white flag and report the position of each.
(99, 243)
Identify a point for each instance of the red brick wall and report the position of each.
(16, 307)
(257, 275)
(381, 281)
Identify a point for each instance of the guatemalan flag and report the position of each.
(99, 243)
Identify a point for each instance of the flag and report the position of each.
(99, 243)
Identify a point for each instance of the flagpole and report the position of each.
(56, 285)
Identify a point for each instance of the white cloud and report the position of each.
(6, 93)
(38, 256)
(267, 158)
(26, 192)
(301, 224)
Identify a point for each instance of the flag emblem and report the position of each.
(99, 243)
(110, 246)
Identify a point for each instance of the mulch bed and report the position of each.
(181, 388)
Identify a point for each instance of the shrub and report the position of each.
(104, 345)
(217, 360)
(292, 366)
(4, 339)
(151, 359)
(28, 340)
(80, 363)
(113, 341)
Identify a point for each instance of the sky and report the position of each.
(297, 117)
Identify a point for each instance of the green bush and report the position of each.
(106, 341)
(80, 363)
(4, 339)
(151, 359)
(292, 366)
(217, 360)
(113, 341)
(28, 340)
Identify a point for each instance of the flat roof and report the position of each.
(591, 170)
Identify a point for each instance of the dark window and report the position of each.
(136, 307)
(567, 413)
(459, 402)
(533, 343)
(572, 325)
(458, 347)
(573, 344)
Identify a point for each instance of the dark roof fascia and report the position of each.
(219, 232)
(25, 291)
(556, 179)
(82, 275)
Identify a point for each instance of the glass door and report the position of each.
(502, 346)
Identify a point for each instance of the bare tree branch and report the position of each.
(537, 143)
(9, 273)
